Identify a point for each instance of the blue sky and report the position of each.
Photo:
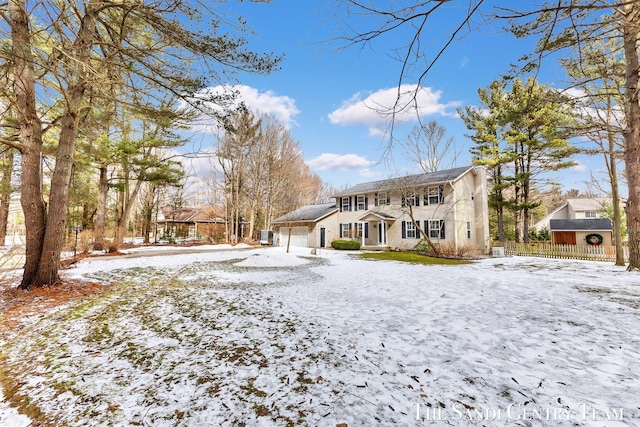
(319, 91)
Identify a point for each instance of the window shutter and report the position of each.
(417, 225)
(350, 203)
(404, 229)
(425, 199)
(442, 229)
(375, 201)
(355, 203)
(339, 201)
(366, 230)
(366, 203)
(340, 225)
(441, 193)
(388, 199)
(426, 228)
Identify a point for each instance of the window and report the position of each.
(362, 203)
(410, 200)
(433, 195)
(359, 230)
(473, 195)
(344, 230)
(436, 229)
(410, 228)
(345, 204)
(382, 199)
(468, 229)
(590, 214)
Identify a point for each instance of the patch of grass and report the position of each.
(412, 258)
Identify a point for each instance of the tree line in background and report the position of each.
(264, 173)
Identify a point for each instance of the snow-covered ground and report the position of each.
(267, 338)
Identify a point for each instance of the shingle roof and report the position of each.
(592, 224)
(405, 181)
(586, 204)
(201, 213)
(309, 213)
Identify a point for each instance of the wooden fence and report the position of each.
(547, 250)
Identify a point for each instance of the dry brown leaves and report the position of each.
(16, 305)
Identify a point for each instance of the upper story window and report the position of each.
(361, 203)
(382, 199)
(468, 229)
(434, 195)
(410, 199)
(473, 195)
(590, 214)
(345, 203)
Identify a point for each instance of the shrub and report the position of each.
(345, 244)
(423, 247)
(445, 250)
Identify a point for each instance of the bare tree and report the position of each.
(428, 146)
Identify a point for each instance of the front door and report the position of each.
(322, 237)
(382, 233)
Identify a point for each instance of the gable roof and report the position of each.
(309, 213)
(201, 213)
(591, 224)
(584, 204)
(406, 181)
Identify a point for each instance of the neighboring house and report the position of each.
(201, 222)
(575, 220)
(450, 205)
(312, 226)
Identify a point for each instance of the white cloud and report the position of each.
(405, 103)
(268, 102)
(329, 161)
(367, 173)
(579, 168)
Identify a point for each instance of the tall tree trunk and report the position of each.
(98, 244)
(58, 198)
(617, 215)
(125, 203)
(5, 192)
(30, 136)
(47, 273)
(632, 134)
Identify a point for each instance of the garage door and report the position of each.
(299, 236)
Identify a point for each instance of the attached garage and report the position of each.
(311, 226)
(299, 236)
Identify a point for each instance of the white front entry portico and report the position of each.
(379, 221)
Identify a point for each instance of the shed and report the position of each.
(575, 231)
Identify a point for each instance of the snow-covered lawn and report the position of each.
(265, 338)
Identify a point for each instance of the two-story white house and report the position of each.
(450, 205)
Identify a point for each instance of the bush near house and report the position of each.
(446, 250)
(345, 244)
